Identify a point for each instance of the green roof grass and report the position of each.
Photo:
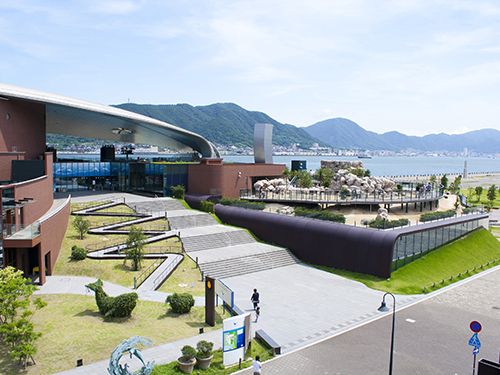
(447, 264)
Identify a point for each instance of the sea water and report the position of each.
(394, 166)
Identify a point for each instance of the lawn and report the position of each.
(72, 328)
(112, 270)
(479, 248)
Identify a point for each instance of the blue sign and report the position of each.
(474, 341)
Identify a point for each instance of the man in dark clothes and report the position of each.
(255, 299)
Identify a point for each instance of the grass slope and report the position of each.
(476, 249)
(72, 328)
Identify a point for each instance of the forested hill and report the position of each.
(223, 123)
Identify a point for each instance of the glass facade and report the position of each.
(120, 176)
(412, 246)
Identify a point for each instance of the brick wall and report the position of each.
(228, 179)
(22, 128)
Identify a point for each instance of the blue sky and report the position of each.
(414, 66)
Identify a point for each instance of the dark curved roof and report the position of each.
(70, 116)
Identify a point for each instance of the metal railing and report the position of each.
(408, 194)
(163, 275)
(147, 272)
(98, 202)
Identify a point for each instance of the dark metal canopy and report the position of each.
(69, 116)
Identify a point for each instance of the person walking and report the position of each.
(257, 314)
(255, 299)
(257, 366)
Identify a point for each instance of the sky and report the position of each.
(413, 66)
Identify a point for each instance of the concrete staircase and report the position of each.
(248, 264)
(216, 240)
(191, 221)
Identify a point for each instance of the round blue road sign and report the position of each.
(475, 326)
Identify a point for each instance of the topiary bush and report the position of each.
(207, 206)
(180, 303)
(117, 307)
(78, 253)
(243, 204)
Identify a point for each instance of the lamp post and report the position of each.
(383, 307)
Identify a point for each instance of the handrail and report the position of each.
(337, 196)
(165, 272)
(147, 272)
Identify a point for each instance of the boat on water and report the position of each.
(364, 157)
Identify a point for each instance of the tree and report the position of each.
(455, 185)
(305, 180)
(492, 194)
(81, 225)
(444, 181)
(479, 191)
(286, 173)
(135, 244)
(16, 327)
(323, 174)
(433, 179)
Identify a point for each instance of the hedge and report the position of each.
(243, 204)
(320, 215)
(437, 215)
(384, 224)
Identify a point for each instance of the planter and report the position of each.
(204, 363)
(186, 368)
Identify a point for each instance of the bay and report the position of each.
(393, 166)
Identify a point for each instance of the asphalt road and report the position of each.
(431, 337)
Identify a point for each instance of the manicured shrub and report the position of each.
(180, 303)
(207, 206)
(204, 349)
(78, 253)
(178, 191)
(243, 204)
(383, 224)
(437, 215)
(320, 215)
(188, 354)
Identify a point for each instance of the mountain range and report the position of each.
(231, 125)
(344, 133)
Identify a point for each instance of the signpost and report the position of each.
(474, 341)
(227, 295)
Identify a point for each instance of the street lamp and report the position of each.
(384, 308)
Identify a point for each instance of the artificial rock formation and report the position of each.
(336, 165)
(343, 179)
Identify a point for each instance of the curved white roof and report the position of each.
(70, 116)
